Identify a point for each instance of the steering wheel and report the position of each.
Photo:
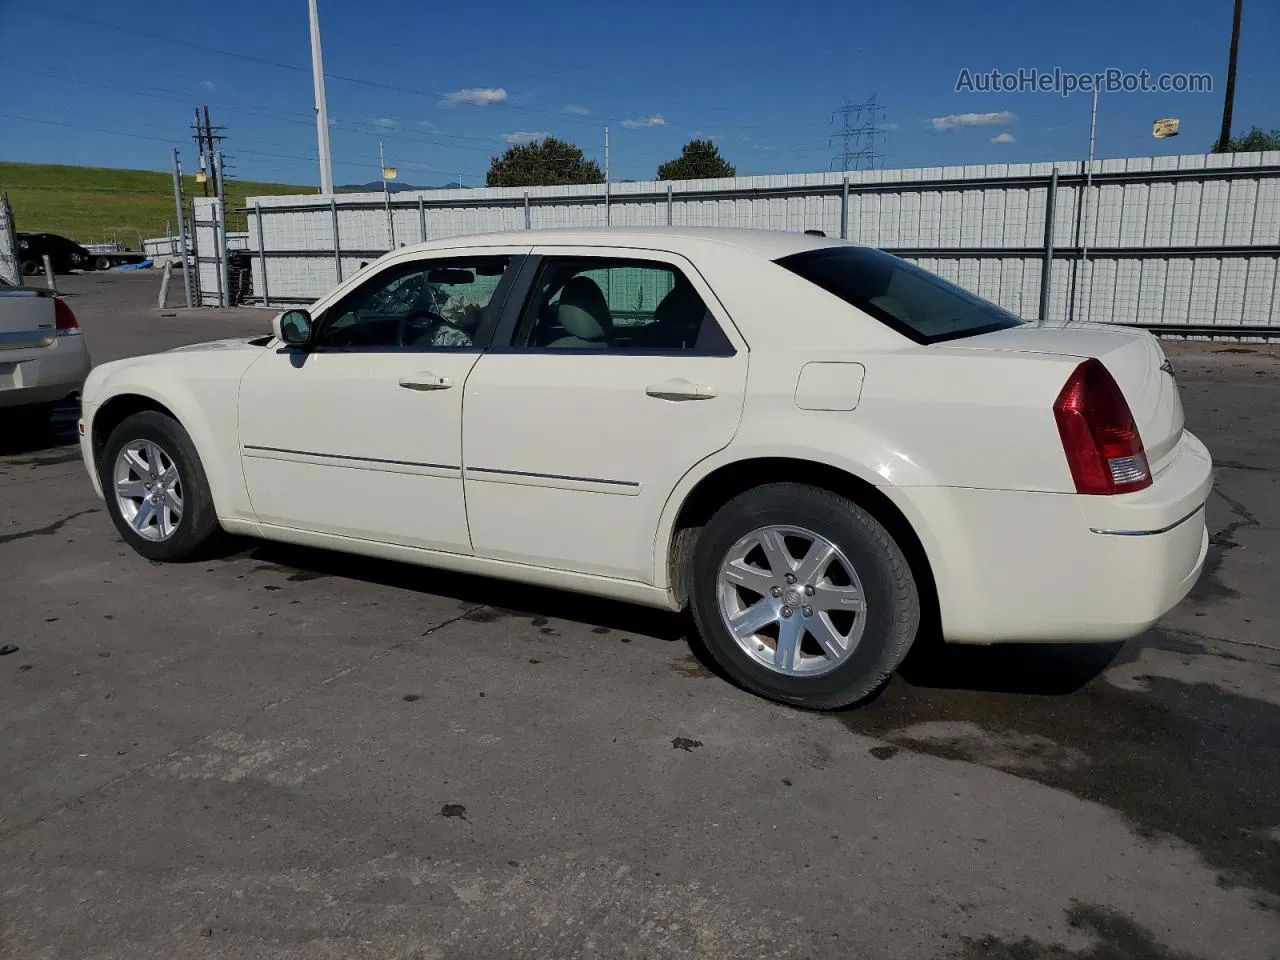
(420, 320)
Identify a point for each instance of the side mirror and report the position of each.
(293, 327)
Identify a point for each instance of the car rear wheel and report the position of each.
(156, 489)
(102, 263)
(802, 596)
(30, 268)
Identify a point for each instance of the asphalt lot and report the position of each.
(290, 753)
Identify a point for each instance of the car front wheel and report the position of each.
(155, 488)
(803, 596)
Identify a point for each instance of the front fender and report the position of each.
(202, 395)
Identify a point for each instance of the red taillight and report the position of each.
(1101, 441)
(64, 320)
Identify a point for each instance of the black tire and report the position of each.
(197, 528)
(30, 268)
(892, 599)
(102, 263)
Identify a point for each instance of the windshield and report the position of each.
(915, 302)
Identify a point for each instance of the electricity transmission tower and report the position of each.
(860, 124)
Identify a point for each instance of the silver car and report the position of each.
(43, 358)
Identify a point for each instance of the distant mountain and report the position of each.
(394, 186)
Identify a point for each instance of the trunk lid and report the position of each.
(1134, 359)
(27, 323)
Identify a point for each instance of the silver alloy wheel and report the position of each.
(792, 600)
(148, 489)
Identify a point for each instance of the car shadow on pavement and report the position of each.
(1038, 669)
(21, 435)
(505, 597)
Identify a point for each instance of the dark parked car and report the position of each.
(64, 255)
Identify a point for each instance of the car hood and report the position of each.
(230, 343)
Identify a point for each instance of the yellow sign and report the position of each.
(388, 173)
(200, 177)
(1165, 128)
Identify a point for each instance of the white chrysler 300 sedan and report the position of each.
(816, 445)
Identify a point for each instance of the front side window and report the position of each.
(616, 304)
(424, 305)
(913, 301)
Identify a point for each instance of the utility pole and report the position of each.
(206, 145)
(608, 210)
(1082, 224)
(386, 199)
(859, 128)
(322, 111)
(198, 137)
(1224, 138)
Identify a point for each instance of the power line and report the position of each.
(380, 85)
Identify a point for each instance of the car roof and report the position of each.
(770, 244)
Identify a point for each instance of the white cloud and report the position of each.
(526, 136)
(644, 122)
(426, 123)
(479, 96)
(953, 121)
(1005, 137)
(208, 85)
(577, 110)
(386, 123)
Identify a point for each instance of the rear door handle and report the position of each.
(680, 390)
(426, 380)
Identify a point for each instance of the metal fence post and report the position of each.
(224, 281)
(527, 222)
(48, 273)
(1046, 271)
(337, 246)
(182, 231)
(668, 204)
(844, 210)
(262, 253)
(195, 256)
(422, 221)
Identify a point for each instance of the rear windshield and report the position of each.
(915, 302)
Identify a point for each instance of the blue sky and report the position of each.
(448, 85)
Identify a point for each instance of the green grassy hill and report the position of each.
(96, 204)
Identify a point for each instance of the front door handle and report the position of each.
(425, 380)
(680, 390)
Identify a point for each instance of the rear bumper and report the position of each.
(1041, 567)
(59, 372)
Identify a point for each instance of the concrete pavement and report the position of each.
(291, 753)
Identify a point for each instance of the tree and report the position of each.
(1256, 139)
(548, 162)
(698, 160)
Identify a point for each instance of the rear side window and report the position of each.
(915, 302)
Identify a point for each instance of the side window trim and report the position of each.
(719, 345)
(493, 314)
